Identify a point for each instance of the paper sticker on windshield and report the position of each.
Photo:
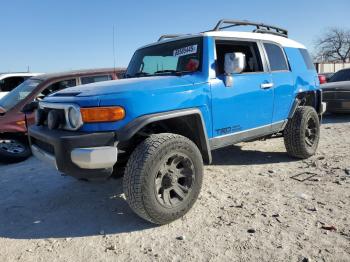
(186, 50)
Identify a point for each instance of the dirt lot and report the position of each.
(250, 209)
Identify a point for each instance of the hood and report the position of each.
(336, 86)
(142, 84)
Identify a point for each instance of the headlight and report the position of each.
(74, 117)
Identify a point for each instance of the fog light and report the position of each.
(54, 119)
(40, 117)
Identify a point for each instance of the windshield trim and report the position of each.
(185, 37)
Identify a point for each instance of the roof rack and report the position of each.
(260, 27)
(163, 37)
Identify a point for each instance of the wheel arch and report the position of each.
(311, 98)
(187, 122)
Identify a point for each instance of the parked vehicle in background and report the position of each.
(13, 122)
(328, 76)
(186, 95)
(325, 77)
(322, 78)
(9, 81)
(336, 93)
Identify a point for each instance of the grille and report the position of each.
(45, 113)
(343, 95)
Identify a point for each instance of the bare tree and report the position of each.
(334, 45)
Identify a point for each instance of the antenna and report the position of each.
(114, 48)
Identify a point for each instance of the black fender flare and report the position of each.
(312, 98)
(128, 131)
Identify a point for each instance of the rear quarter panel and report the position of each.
(304, 79)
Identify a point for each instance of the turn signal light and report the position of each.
(21, 123)
(102, 114)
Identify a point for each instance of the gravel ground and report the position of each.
(257, 204)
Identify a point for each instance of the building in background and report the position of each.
(330, 67)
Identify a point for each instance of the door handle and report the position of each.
(266, 85)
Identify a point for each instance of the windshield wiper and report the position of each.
(141, 74)
(138, 74)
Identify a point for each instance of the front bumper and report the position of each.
(81, 155)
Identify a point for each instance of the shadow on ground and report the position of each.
(36, 202)
(235, 155)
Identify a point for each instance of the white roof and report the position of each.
(283, 41)
(6, 75)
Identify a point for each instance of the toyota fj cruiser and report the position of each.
(184, 96)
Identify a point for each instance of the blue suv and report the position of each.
(183, 97)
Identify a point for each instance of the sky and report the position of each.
(52, 36)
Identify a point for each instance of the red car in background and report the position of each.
(13, 120)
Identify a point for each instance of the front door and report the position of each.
(246, 108)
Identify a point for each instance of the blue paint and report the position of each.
(243, 106)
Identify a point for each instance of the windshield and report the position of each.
(18, 94)
(343, 75)
(175, 57)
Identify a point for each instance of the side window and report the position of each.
(58, 86)
(7, 84)
(250, 49)
(307, 59)
(92, 79)
(276, 57)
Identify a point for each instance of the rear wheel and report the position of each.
(302, 133)
(13, 149)
(163, 178)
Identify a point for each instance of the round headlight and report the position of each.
(74, 117)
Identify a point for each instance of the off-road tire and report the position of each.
(295, 133)
(141, 174)
(8, 157)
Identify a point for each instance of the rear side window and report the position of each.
(307, 59)
(92, 79)
(58, 86)
(276, 57)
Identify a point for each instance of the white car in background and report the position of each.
(9, 81)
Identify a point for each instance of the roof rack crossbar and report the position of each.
(163, 37)
(260, 27)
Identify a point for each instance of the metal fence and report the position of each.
(330, 67)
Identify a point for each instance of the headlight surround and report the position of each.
(74, 117)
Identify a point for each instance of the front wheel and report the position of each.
(13, 150)
(163, 177)
(302, 133)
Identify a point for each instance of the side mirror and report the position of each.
(234, 64)
(29, 108)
